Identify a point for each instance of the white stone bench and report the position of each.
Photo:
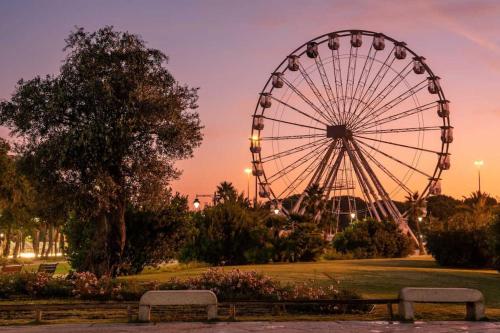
(473, 299)
(177, 297)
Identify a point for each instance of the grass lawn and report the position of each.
(373, 278)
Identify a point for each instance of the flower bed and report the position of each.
(233, 285)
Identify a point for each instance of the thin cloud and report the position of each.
(454, 26)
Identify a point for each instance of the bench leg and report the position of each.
(212, 311)
(475, 311)
(406, 310)
(144, 313)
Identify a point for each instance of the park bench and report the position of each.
(47, 268)
(177, 297)
(473, 299)
(11, 269)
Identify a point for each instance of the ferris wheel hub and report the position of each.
(338, 132)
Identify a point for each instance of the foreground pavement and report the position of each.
(275, 327)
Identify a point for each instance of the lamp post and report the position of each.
(248, 171)
(479, 164)
(353, 216)
(196, 201)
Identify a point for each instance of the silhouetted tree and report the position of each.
(106, 131)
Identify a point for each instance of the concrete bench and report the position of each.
(177, 297)
(473, 299)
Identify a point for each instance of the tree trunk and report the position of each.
(51, 241)
(116, 237)
(36, 242)
(43, 232)
(62, 245)
(8, 235)
(56, 242)
(23, 242)
(17, 245)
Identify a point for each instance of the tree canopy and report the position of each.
(106, 131)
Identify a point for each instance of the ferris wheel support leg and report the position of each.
(315, 178)
(362, 167)
(391, 207)
(387, 202)
(365, 186)
(330, 179)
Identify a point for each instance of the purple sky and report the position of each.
(228, 49)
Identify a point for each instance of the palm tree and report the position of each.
(416, 209)
(477, 209)
(226, 192)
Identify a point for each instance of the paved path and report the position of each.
(275, 327)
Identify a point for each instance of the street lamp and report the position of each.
(353, 215)
(248, 171)
(479, 164)
(196, 203)
(420, 219)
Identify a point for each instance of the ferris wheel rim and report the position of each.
(436, 174)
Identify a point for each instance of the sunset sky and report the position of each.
(229, 48)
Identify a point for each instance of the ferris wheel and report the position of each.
(356, 117)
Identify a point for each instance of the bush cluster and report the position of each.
(465, 246)
(233, 285)
(232, 234)
(372, 239)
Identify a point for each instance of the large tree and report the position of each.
(105, 131)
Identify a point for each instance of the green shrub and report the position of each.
(154, 237)
(372, 239)
(228, 234)
(461, 247)
(57, 288)
(231, 285)
(495, 235)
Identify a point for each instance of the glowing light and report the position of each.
(479, 163)
(353, 215)
(248, 171)
(255, 137)
(276, 211)
(196, 203)
(420, 219)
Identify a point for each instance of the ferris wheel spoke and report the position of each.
(391, 104)
(402, 130)
(398, 144)
(372, 104)
(292, 137)
(316, 92)
(337, 75)
(386, 171)
(351, 73)
(297, 163)
(306, 100)
(397, 116)
(395, 159)
(328, 88)
(298, 111)
(292, 123)
(375, 82)
(317, 174)
(294, 150)
(365, 73)
(303, 175)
